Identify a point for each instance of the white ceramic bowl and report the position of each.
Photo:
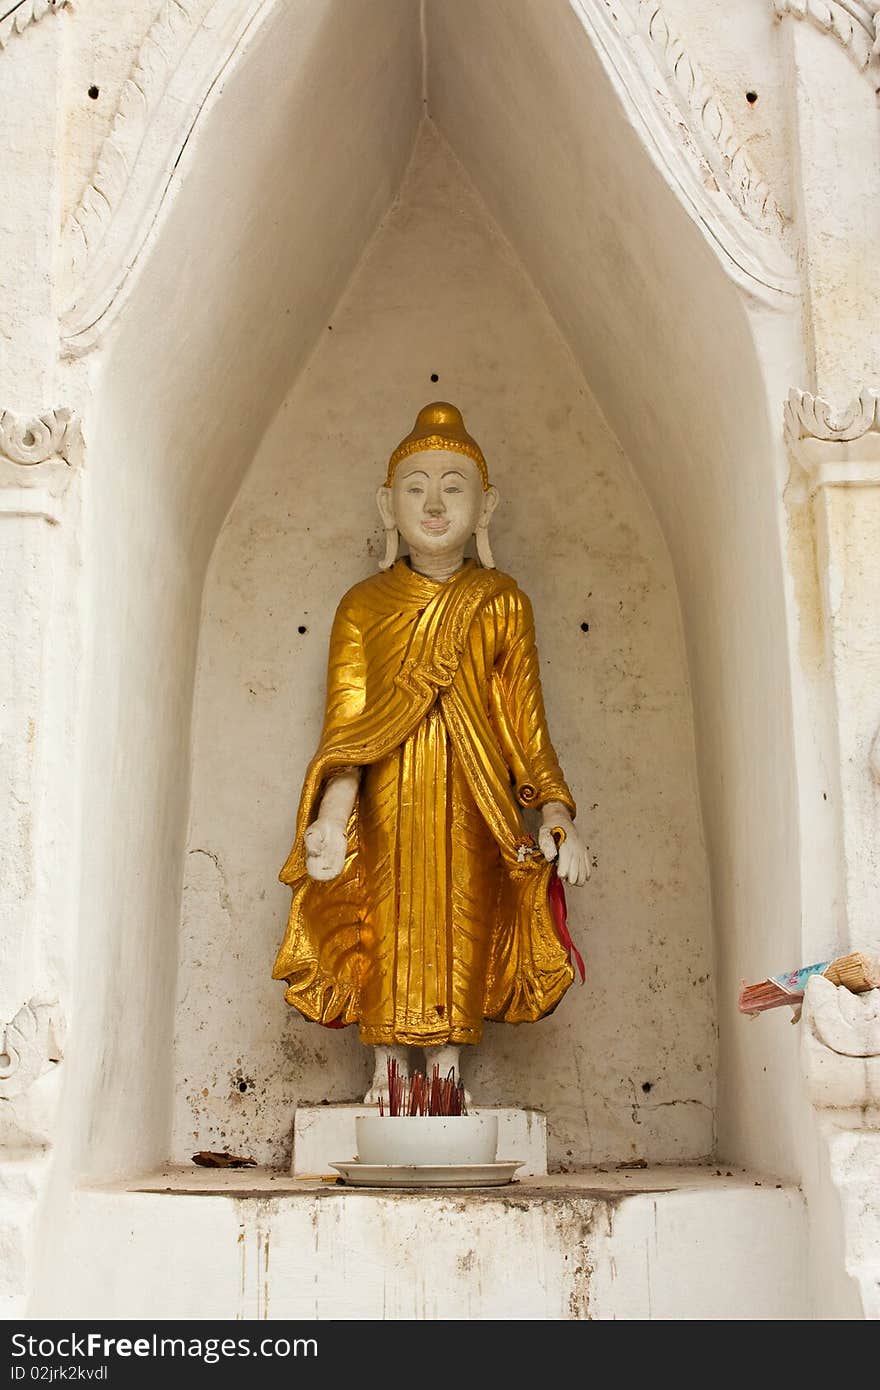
(463, 1140)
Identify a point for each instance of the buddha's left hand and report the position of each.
(572, 856)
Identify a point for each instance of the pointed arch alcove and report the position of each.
(440, 306)
(615, 349)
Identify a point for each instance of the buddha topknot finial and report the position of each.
(439, 426)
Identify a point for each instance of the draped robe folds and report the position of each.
(440, 917)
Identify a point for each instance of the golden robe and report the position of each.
(440, 917)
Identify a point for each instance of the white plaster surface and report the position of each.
(663, 1244)
(625, 1067)
(324, 1134)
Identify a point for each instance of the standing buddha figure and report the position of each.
(421, 905)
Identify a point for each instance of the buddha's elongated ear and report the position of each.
(484, 549)
(392, 539)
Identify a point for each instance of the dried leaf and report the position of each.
(206, 1159)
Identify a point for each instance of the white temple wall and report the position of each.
(228, 303)
(664, 339)
(625, 1067)
(297, 150)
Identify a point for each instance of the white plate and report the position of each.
(424, 1175)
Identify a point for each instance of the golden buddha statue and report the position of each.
(421, 905)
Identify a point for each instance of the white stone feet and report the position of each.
(379, 1084)
(447, 1058)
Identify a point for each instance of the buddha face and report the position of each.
(436, 501)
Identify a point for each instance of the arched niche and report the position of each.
(626, 1065)
(237, 282)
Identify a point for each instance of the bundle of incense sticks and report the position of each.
(415, 1095)
(857, 972)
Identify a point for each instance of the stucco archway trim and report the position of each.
(21, 16)
(181, 60)
(854, 23)
(667, 100)
(688, 133)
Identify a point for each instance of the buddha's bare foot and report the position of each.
(447, 1058)
(379, 1084)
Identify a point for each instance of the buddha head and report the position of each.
(437, 492)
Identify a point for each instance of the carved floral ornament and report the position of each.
(854, 23)
(835, 446)
(33, 439)
(29, 1045)
(812, 417)
(15, 18)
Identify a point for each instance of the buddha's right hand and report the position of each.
(326, 844)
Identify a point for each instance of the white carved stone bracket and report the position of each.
(808, 416)
(31, 1045)
(39, 454)
(835, 446)
(35, 439)
(840, 1051)
(840, 1056)
(854, 23)
(841, 1022)
(16, 18)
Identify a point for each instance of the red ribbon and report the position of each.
(556, 897)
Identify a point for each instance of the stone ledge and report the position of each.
(658, 1243)
(602, 1182)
